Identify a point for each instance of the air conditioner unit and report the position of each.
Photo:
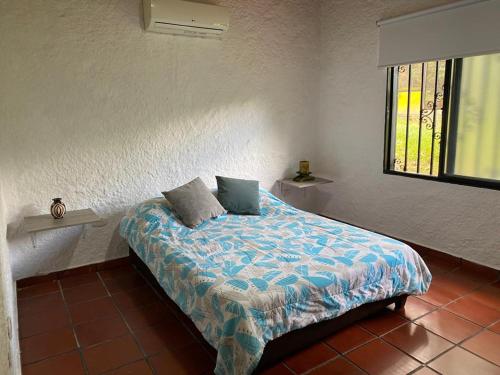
(185, 18)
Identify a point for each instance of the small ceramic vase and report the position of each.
(58, 208)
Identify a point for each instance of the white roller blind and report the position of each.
(465, 28)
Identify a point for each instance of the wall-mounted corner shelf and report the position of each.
(304, 184)
(41, 223)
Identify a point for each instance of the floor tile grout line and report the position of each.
(489, 326)
(45, 332)
(75, 305)
(79, 285)
(339, 355)
(344, 354)
(470, 320)
(89, 300)
(439, 355)
(392, 329)
(416, 370)
(125, 365)
(421, 368)
(478, 355)
(79, 348)
(131, 332)
(150, 366)
(354, 364)
(105, 341)
(357, 346)
(443, 306)
(374, 338)
(480, 285)
(451, 301)
(381, 337)
(48, 358)
(37, 296)
(126, 289)
(481, 329)
(401, 350)
(70, 326)
(287, 367)
(108, 295)
(103, 283)
(426, 363)
(451, 312)
(76, 324)
(413, 321)
(454, 345)
(459, 344)
(95, 320)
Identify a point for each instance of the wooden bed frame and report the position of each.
(291, 342)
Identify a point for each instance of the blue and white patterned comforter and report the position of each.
(245, 280)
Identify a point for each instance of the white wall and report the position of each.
(460, 220)
(9, 341)
(97, 111)
(104, 115)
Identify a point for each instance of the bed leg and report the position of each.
(400, 302)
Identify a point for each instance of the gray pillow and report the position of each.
(239, 197)
(194, 203)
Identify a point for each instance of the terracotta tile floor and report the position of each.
(114, 322)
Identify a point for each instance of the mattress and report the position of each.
(246, 280)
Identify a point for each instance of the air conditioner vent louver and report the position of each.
(185, 18)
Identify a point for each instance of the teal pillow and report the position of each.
(237, 196)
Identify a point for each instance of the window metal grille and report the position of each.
(417, 122)
(442, 126)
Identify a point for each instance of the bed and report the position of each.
(258, 287)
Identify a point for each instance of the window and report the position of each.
(443, 121)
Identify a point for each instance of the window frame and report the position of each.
(450, 100)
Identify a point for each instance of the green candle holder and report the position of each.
(302, 177)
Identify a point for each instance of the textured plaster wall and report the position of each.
(464, 221)
(9, 342)
(98, 112)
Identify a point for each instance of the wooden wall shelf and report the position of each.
(41, 223)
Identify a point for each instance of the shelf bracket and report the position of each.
(33, 235)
